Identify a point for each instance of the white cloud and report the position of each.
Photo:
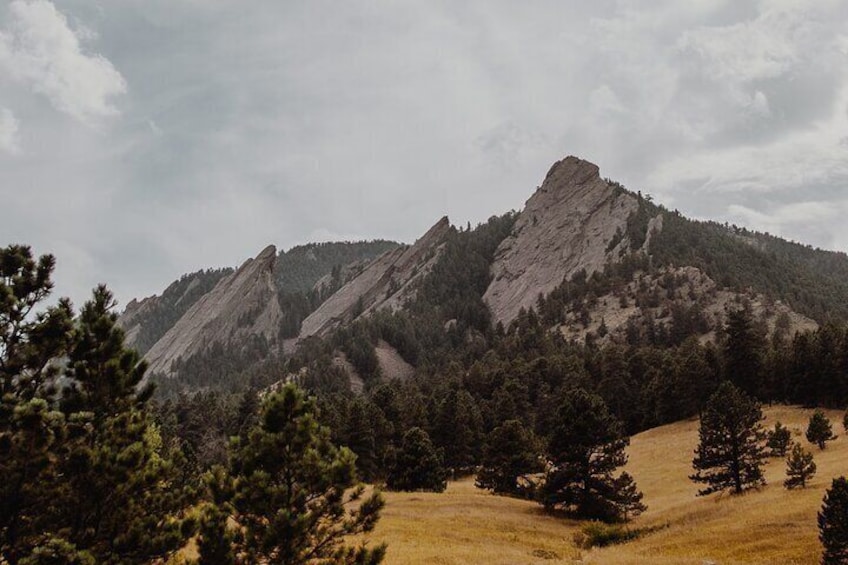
(41, 51)
(8, 131)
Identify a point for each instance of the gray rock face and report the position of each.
(387, 282)
(241, 305)
(567, 225)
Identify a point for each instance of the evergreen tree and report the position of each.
(288, 490)
(628, 499)
(819, 430)
(458, 430)
(417, 466)
(85, 476)
(586, 447)
(743, 352)
(510, 452)
(730, 452)
(779, 440)
(833, 523)
(800, 468)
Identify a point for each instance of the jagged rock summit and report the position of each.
(387, 282)
(241, 306)
(566, 226)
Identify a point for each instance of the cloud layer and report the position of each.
(146, 138)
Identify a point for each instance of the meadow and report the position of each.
(770, 526)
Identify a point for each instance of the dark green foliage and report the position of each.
(779, 440)
(800, 468)
(743, 352)
(819, 430)
(85, 475)
(57, 551)
(511, 451)
(845, 421)
(730, 452)
(418, 465)
(833, 523)
(457, 429)
(289, 489)
(586, 447)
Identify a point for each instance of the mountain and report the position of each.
(386, 283)
(588, 258)
(565, 227)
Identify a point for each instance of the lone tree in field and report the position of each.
(800, 468)
(819, 430)
(730, 452)
(779, 440)
(418, 465)
(586, 447)
(833, 523)
(510, 452)
(291, 493)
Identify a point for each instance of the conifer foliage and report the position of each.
(291, 492)
(819, 430)
(833, 523)
(586, 447)
(509, 453)
(779, 440)
(730, 453)
(418, 465)
(85, 478)
(800, 468)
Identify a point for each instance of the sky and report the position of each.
(144, 139)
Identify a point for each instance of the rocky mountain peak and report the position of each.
(242, 305)
(386, 283)
(567, 225)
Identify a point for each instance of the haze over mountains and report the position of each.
(595, 260)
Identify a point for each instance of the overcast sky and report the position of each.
(142, 139)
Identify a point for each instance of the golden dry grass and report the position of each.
(769, 526)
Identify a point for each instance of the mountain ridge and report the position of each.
(580, 245)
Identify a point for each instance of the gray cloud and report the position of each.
(220, 128)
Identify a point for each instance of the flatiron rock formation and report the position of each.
(242, 305)
(387, 282)
(566, 226)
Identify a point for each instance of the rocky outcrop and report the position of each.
(683, 296)
(387, 282)
(567, 225)
(242, 305)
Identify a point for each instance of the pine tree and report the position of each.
(730, 452)
(289, 490)
(628, 499)
(85, 477)
(833, 523)
(586, 447)
(779, 440)
(510, 452)
(819, 430)
(743, 352)
(800, 468)
(417, 466)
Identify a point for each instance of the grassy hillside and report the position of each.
(773, 525)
